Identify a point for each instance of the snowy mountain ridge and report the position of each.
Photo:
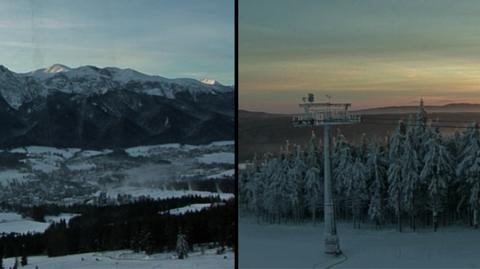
(87, 106)
(210, 81)
(18, 88)
(57, 68)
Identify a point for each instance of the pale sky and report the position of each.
(170, 38)
(368, 52)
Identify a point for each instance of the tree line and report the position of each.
(141, 226)
(416, 176)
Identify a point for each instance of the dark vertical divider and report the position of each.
(236, 130)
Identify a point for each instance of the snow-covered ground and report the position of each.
(10, 175)
(222, 143)
(144, 151)
(63, 216)
(301, 246)
(188, 208)
(14, 223)
(127, 259)
(93, 153)
(227, 173)
(81, 166)
(65, 153)
(219, 157)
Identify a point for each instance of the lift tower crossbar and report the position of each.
(326, 115)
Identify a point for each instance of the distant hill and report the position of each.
(261, 132)
(448, 108)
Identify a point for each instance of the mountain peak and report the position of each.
(210, 81)
(57, 68)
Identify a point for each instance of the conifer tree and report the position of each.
(357, 189)
(182, 246)
(377, 167)
(468, 170)
(394, 173)
(297, 172)
(342, 168)
(24, 260)
(410, 177)
(437, 171)
(313, 190)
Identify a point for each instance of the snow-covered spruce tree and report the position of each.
(357, 190)
(377, 167)
(271, 188)
(313, 190)
(312, 152)
(182, 246)
(437, 172)
(269, 164)
(289, 189)
(473, 180)
(411, 181)
(361, 150)
(342, 171)
(420, 131)
(456, 198)
(298, 171)
(292, 185)
(394, 172)
(253, 186)
(279, 190)
(15, 265)
(246, 183)
(468, 170)
(24, 260)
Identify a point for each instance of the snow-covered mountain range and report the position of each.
(87, 105)
(16, 88)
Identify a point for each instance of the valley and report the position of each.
(35, 175)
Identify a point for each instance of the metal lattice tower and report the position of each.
(326, 115)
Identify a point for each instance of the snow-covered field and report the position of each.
(219, 157)
(23, 226)
(144, 151)
(188, 208)
(129, 260)
(63, 216)
(228, 173)
(301, 246)
(14, 223)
